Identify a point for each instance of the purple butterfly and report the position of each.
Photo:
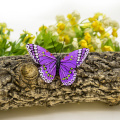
(51, 65)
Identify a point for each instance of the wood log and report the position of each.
(98, 79)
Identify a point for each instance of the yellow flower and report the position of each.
(5, 36)
(101, 29)
(59, 31)
(72, 21)
(61, 26)
(95, 25)
(4, 25)
(66, 39)
(107, 48)
(31, 39)
(28, 38)
(69, 16)
(91, 48)
(91, 19)
(3, 30)
(87, 37)
(76, 14)
(114, 32)
(105, 35)
(97, 15)
(42, 27)
(73, 17)
(83, 43)
(61, 38)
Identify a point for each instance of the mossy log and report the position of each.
(98, 79)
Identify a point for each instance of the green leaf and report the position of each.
(68, 48)
(8, 33)
(23, 36)
(1, 31)
(44, 39)
(117, 48)
(27, 40)
(79, 32)
(109, 42)
(12, 45)
(59, 47)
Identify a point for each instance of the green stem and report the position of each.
(83, 20)
(109, 29)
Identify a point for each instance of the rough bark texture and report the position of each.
(98, 79)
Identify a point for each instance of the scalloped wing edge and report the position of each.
(80, 55)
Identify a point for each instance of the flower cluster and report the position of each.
(7, 47)
(98, 33)
(4, 37)
(27, 37)
(65, 28)
(4, 31)
(63, 32)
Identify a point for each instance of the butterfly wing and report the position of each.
(67, 76)
(45, 59)
(48, 72)
(69, 63)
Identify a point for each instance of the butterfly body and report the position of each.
(51, 66)
(58, 64)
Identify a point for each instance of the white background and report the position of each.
(30, 15)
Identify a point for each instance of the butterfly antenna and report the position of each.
(54, 46)
(62, 47)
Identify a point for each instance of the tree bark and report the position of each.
(98, 79)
